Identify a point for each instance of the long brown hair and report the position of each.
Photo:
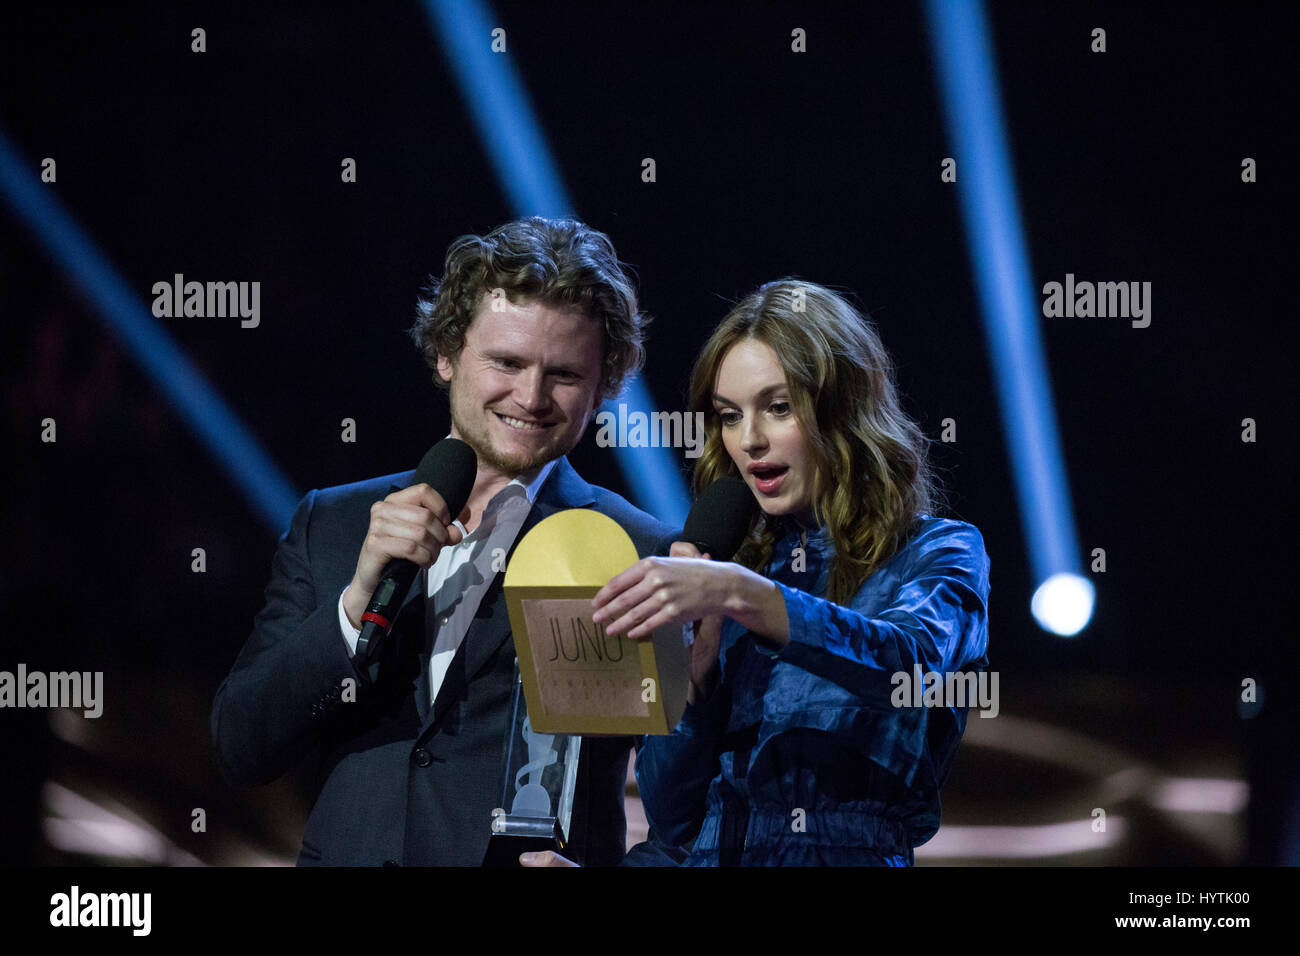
(873, 474)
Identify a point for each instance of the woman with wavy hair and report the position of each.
(791, 750)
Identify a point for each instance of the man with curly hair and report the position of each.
(529, 328)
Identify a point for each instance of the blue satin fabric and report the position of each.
(799, 757)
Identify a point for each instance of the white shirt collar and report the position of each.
(532, 482)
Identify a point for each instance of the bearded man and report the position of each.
(529, 329)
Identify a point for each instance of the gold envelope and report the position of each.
(578, 679)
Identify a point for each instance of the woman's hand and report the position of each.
(704, 658)
(707, 638)
(703, 661)
(658, 591)
(674, 590)
(544, 858)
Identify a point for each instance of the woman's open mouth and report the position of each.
(768, 480)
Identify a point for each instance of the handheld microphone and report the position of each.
(449, 468)
(720, 518)
(717, 525)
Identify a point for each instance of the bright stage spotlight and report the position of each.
(1010, 309)
(1063, 604)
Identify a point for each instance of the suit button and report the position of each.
(421, 757)
(390, 863)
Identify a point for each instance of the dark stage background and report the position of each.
(225, 165)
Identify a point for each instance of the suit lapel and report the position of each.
(490, 629)
(417, 613)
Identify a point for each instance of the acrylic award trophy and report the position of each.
(539, 776)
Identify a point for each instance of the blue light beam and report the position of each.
(127, 318)
(995, 234)
(522, 161)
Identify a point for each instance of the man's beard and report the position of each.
(513, 465)
(481, 441)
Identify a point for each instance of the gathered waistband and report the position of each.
(733, 828)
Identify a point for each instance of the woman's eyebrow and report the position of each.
(719, 399)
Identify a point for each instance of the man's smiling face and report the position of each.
(524, 386)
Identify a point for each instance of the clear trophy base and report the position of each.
(538, 778)
(512, 835)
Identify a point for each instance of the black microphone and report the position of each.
(449, 468)
(720, 518)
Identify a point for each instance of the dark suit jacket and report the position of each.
(398, 783)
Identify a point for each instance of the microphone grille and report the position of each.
(449, 468)
(720, 517)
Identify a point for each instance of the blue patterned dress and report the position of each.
(799, 757)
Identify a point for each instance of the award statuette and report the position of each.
(539, 776)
